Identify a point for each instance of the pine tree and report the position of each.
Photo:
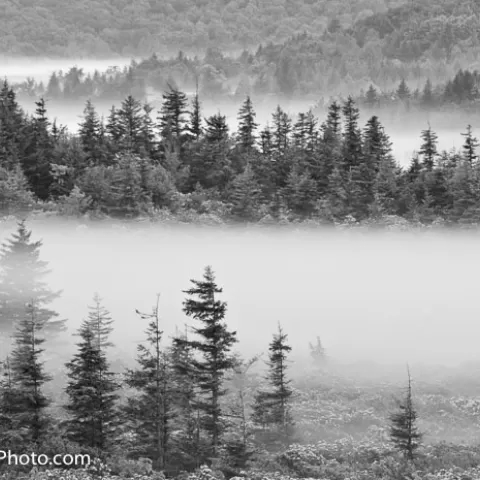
(282, 128)
(245, 195)
(172, 119)
(352, 140)
(371, 97)
(247, 125)
(186, 443)
(332, 127)
(89, 132)
(403, 430)
(39, 154)
(273, 406)
(429, 148)
(403, 92)
(470, 145)
(28, 376)
(214, 346)
(21, 278)
(151, 410)
(12, 129)
(195, 122)
(91, 388)
(130, 122)
(427, 95)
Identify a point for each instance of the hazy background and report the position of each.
(386, 297)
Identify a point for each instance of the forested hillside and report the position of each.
(103, 28)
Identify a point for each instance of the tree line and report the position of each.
(290, 170)
(169, 407)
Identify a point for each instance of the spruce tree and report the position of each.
(282, 128)
(28, 376)
(187, 443)
(92, 387)
(404, 433)
(246, 125)
(371, 97)
(12, 129)
(214, 347)
(195, 122)
(273, 406)
(352, 140)
(22, 276)
(172, 121)
(429, 148)
(403, 92)
(130, 122)
(39, 153)
(89, 132)
(151, 410)
(427, 95)
(470, 146)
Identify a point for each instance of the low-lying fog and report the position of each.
(389, 298)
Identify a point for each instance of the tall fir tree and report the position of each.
(247, 125)
(92, 387)
(151, 411)
(428, 149)
(273, 406)
(28, 377)
(214, 347)
(39, 153)
(22, 276)
(470, 146)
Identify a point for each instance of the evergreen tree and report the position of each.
(371, 97)
(172, 119)
(403, 92)
(273, 406)
(130, 123)
(332, 127)
(151, 410)
(39, 154)
(470, 145)
(12, 129)
(245, 195)
(352, 140)
(89, 132)
(21, 278)
(187, 445)
(403, 430)
(195, 122)
(282, 127)
(429, 148)
(214, 346)
(91, 388)
(246, 125)
(28, 376)
(427, 95)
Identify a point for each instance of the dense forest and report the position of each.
(186, 167)
(191, 407)
(94, 28)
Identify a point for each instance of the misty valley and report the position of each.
(238, 240)
(325, 340)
